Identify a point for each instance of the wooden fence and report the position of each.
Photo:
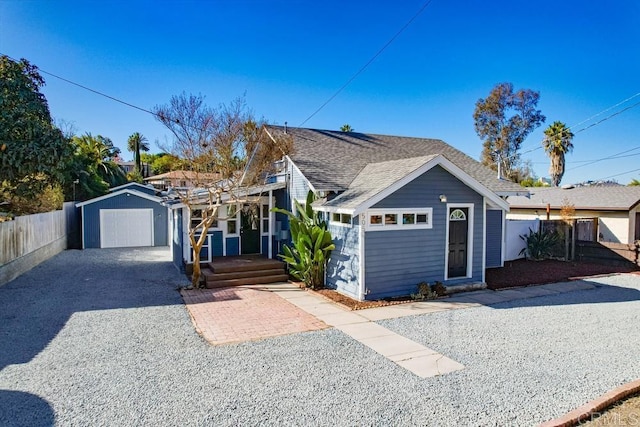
(608, 253)
(28, 240)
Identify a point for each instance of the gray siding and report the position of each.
(396, 261)
(299, 186)
(91, 230)
(494, 238)
(343, 268)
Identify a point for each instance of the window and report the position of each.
(341, 219)
(232, 219)
(265, 219)
(399, 219)
(196, 219)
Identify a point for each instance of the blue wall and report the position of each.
(177, 239)
(91, 231)
(494, 238)
(396, 261)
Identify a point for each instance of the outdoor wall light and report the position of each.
(443, 198)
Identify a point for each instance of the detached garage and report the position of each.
(127, 217)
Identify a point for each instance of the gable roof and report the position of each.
(186, 175)
(331, 160)
(117, 193)
(134, 185)
(378, 180)
(585, 198)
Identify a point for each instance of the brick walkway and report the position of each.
(243, 313)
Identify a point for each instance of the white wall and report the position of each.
(513, 230)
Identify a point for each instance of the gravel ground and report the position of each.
(100, 337)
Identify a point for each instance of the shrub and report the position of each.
(424, 292)
(539, 245)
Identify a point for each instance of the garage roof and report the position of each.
(117, 193)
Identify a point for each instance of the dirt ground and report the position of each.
(524, 273)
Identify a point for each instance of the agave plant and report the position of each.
(539, 245)
(311, 244)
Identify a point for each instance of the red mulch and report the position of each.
(523, 272)
(352, 304)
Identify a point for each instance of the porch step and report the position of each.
(255, 280)
(244, 270)
(233, 265)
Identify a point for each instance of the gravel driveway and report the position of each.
(101, 337)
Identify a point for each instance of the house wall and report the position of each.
(176, 247)
(396, 261)
(343, 268)
(494, 238)
(91, 220)
(613, 226)
(298, 185)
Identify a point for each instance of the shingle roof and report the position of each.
(594, 198)
(374, 178)
(331, 160)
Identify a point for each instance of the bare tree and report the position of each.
(225, 150)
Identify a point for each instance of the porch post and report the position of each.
(270, 224)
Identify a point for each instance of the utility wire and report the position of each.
(364, 67)
(613, 156)
(618, 174)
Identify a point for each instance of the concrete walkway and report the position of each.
(244, 313)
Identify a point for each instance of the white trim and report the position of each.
(504, 238)
(470, 239)
(131, 184)
(438, 160)
(82, 219)
(117, 193)
(400, 226)
(270, 231)
(361, 243)
(484, 239)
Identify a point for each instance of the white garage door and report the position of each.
(121, 228)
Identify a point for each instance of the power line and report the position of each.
(593, 124)
(128, 104)
(618, 174)
(364, 67)
(613, 156)
(594, 160)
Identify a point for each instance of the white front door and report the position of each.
(121, 228)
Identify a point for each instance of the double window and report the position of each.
(399, 219)
(341, 219)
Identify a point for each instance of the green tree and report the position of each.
(634, 182)
(503, 120)
(346, 128)
(556, 143)
(137, 143)
(33, 151)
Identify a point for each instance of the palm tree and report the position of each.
(346, 128)
(634, 183)
(557, 142)
(137, 143)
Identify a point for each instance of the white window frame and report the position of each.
(198, 208)
(228, 219)
(399, 212)
(341, 222)
(264, 231)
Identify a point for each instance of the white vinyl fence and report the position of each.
(514, 229)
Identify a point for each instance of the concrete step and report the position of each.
(247, 281)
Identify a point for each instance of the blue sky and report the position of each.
(288, 57)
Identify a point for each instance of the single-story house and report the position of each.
(616, 208)
(130, 215)
(401, 211)
(179, 179)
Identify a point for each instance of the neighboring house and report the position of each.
(180, 179)
(129, 216)
(616, 208)
(129, 167)
(401, 210)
